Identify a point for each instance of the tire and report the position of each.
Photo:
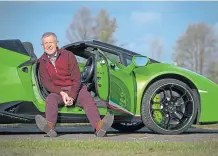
(121, 127)
(172, 109)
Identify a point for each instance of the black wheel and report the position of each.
(128, 127)
(169, 106)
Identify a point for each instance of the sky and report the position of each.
(138, 22)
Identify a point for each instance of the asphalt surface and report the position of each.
(86, 132)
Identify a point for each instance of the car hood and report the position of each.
(154, 70)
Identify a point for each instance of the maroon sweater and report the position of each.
(66, 73)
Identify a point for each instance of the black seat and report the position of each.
(44, 92)
(30, 50)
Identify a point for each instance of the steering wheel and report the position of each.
(88, 70)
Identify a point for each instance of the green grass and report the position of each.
(100, 147)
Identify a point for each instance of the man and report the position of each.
(59, 73)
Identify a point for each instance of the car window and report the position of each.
(112, 56)
(81, 62)
(128, 59)
(80, 59)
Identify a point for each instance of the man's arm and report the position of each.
(75, 75)
(46, 80)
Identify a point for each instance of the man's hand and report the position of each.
(68, 101)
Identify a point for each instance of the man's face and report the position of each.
(49, 44)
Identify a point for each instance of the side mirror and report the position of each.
(140, 61)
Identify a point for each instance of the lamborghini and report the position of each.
(139, 91)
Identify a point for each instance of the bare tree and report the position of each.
(212, 71)
(156, 48)
(195, 47)
(105, 27)
(81, 27)
(84, 26)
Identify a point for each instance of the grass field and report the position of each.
(98, 147)
(102, 147)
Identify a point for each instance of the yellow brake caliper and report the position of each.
(156, 105)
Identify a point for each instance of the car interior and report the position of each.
(86, 60)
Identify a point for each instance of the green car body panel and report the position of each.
(102, 77)
(206, 89)
(122, 87)
(15, 84)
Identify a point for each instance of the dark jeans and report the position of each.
(85, 100)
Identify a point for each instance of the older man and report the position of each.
(59, 73)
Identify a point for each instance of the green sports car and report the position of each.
(139, 91)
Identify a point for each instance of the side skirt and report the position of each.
(25, 111)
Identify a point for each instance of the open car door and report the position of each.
(102, 76)
(116, 86)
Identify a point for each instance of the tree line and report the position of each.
(196, 49)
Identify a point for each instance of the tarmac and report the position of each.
(30, 131)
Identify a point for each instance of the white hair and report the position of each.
(49, 34)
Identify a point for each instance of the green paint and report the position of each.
(123, 85)
(209, 100)
(102, 77)
(120, 92)
(156, 105)
(15, 84)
